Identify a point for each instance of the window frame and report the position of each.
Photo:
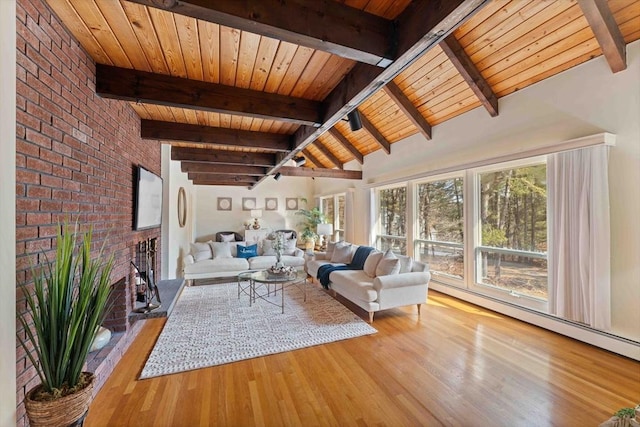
(441, 277)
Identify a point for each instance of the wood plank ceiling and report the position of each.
(241, 88)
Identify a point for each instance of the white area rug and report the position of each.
(210, 326)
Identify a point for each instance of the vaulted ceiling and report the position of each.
(240, 88)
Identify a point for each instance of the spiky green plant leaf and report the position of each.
(69, 302)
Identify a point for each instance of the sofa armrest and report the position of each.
(299, 253)
(188, 259)
(401, 280)
(320, 256)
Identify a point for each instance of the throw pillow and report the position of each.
(289, 247)
(228, 237)
(221, 250)
(267, 247)
(288, 235)
(406, 263)
(372, 262)
(387, 267)
(201, 251)
(330, 248)
(342, 253)
(389, 264)
(248, 251)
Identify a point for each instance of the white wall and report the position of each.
(175, 239)
(210, 220)
(8, 211)
(584, 100)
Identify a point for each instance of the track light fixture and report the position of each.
(355, 123)
(300, 161)
(277, 176)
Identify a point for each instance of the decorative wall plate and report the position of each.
(291, 203)
(271, 203)
(224, 203)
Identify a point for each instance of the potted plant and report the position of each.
(68, 304)
(312, 217)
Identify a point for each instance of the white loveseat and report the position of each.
(382, 283)
(221, 259)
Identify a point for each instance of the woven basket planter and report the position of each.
(61, 412)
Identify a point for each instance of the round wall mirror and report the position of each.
(182, 207)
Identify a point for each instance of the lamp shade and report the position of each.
(325, 229)
(256, 213)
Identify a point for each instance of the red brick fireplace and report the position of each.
(75, 159)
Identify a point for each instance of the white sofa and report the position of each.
(394, 284)
(220, 259)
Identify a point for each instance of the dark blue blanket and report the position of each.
(357, 263)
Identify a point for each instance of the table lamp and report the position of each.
(256, 214)
(323, 231)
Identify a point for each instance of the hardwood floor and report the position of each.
(455, 365)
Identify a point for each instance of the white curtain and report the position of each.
(579, 236)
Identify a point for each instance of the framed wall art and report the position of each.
(291, 203)
(271, 204)
(248, 203)
(224, 203)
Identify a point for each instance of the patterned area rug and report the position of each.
(210, 326)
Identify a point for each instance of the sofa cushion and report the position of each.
(406, 263)
(265, 261)
(313, 265)
(228, 237)
(289, 247)
(389, 264)
(353, 285)
(267, 247)
(221, 249)
(247, 251)
(342, 253)
(330, 248)
(372, 262)
(201, 251)
(217, 265)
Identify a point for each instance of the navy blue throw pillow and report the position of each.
(247, 251)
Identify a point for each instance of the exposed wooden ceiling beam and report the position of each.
(467, 69)
(328, 154)
(223, 156)
(221, 182)
(170, 131)
(412, 113)
(322, 25)
(375, 133)
(221, 169)
(141, 86)
(313, 159)
(607, 32)
(320, 172)
(195, 176)
(335, 133)
(422, 25)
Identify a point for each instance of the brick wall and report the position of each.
(75, 156)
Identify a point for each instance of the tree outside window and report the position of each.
(392, 207)
(440, 232)
(513, 219)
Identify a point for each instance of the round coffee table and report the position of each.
(298, 279)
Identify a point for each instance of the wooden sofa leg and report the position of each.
(371, 317)
(419, 306)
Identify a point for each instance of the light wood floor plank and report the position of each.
(455, 365)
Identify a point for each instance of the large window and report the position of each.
(333, 215)
(512, 212)
(339, 225)
(392, 219)
(440, 231)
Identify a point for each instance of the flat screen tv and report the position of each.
(148, 200)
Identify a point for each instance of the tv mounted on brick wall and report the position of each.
(148, 199)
